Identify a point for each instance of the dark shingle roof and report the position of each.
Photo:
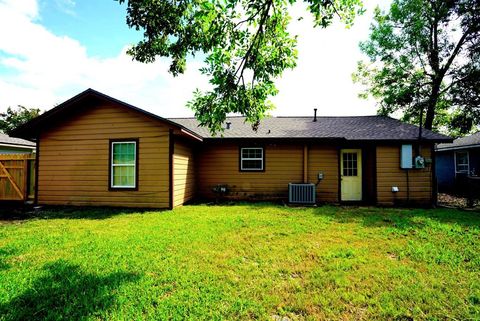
(464, 142)
(5, 139)
(350, 128)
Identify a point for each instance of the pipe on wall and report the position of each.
(305, 163)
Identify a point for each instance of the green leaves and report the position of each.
(423, 58)
(324, 11)
(13, 118)
(246, 44)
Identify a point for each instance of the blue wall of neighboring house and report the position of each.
(445, 167)
(445, 170)
(475, 160)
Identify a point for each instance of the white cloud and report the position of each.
(27, 8)
(46, 69)
(66, 6)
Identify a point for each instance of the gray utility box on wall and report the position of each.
(406, 157)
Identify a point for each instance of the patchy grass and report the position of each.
(242, 262)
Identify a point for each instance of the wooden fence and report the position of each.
(17, 177)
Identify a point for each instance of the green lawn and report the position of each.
(242, 262)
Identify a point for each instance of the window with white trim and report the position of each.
(123, 165)
(251, 159)
(461, 162)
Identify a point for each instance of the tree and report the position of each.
(246, 44)
(13, 118)
(425, 60)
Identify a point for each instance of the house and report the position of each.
(457, 160)
(96, 150)
(12, 145)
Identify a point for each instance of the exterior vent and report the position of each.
(301, 193)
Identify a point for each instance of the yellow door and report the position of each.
(351, 174)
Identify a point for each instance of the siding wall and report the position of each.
(324, 158)
(219, 164)
(445, 170)
(390, 174)
(474, 154)
(184, 174)
(74, 159)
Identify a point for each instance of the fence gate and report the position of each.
(17, 177)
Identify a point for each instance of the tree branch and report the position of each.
(247, 20)
(421, 60)
(454, 82)
(243, 63)
(455, 52)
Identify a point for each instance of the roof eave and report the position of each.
(190, 134)
(458, 147)
(274, 138)
(17, 146)
(416, 140)
(413, 140)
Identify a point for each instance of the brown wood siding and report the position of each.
(324, 159)
(390, 174)
(219, 164)
(184, 182)
(74, 162)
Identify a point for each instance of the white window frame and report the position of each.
(134, 165)
(252, 158)
(468, 162)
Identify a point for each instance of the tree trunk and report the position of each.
(432, 104)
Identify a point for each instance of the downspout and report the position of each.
(418, 151)
(170, 168)
(408, 186)
(37, 158)
(305, 164)
(434, 178)
(419, 148)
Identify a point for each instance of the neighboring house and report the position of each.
(97, 150)
(12, 145)
(457, 160)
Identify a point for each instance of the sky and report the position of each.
(51, 50)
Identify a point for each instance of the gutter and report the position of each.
(18, 146)
(324, 139)
(457, 147)
(191, 134)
